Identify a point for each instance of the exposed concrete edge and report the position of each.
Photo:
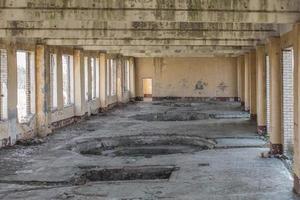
(262, 130)
(68, 121)
(276, 149)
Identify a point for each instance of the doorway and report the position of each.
(147, 89)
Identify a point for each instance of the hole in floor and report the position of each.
(173, 104)
(124, 174)
(143, 145)
(172, 116)
(146, 150)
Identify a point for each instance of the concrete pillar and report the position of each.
(296, 34)
(79, 82)
(275, 95)
(43, 98)
(252, 68)
(60, 96)
(239, 78)
(119, 79)
(89, 92)
(12, 94)
(103, 80)
(261, 88)
(132, 78)
(241, 62)
(247, 82)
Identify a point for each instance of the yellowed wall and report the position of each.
(188, 77)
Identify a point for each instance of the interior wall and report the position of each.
(12, 130)
(188, 77)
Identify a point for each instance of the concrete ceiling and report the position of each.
(149, 27)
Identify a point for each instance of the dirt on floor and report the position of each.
(148, 150)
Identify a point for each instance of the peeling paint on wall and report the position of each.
(188, 77)
(222, 86)
(201, 85)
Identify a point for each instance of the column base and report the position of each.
(262, 130)
(276, 149)
(246, 109)
(44, 131)
(253, 117)
(243, 105)
(296, 188)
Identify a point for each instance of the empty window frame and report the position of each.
(97, 78)
(126, 77)
(94, 77)
(3, 79)
(53, 80)
(68, 80)
(108, 77)
(113, 77)
(86, 77)
(26, 85)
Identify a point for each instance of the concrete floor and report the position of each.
(221, 159)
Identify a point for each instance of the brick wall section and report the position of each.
(288, 105)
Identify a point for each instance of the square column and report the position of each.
(120, 64)
(89, 71)
(241, 64)
(60, 95)
(252, 68)
(239, 78)
(43, 99)
(247, 82)
(132, 78)
(296, 167)
(79, 82)
(12, 94)
(103, 80)
(261, 90)
(274, 51)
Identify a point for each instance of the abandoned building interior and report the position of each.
(149, 99)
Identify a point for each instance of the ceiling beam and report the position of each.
(239, 5)
(157, 49)
(184, 55)
(178, 53)
(151, 42)
(54, 14)
(135, 25)
(133, 34)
